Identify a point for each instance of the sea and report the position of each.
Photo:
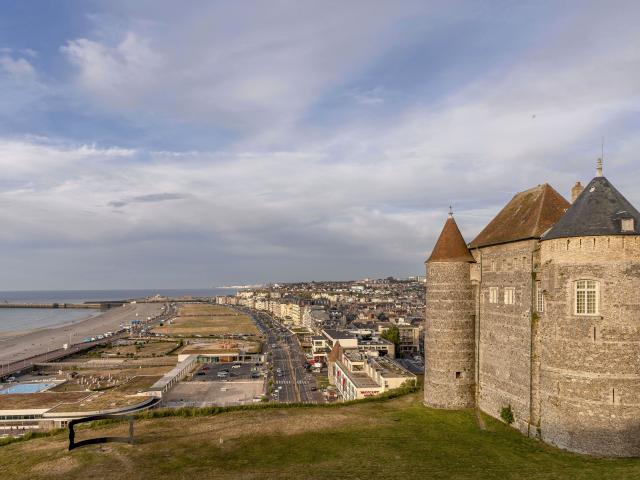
(18, 319)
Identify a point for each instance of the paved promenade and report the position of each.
(24, 345)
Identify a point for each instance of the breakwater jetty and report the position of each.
(94, 306)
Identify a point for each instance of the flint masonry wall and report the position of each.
(449, 336)
(590, 365)
(505, 330)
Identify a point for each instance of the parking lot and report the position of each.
(218, 393)
(209, 372)
(219, 384)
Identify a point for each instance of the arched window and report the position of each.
(587, 297)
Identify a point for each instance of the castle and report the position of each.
(539, 316)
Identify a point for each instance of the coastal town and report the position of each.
(319, 240)
(284, 343)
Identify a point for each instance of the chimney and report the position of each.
(576, 190)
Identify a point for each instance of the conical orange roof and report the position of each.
(450, 246)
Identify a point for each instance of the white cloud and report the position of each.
(369, 97)
(41, 159)
(115, 74)
(358, 195)
(223, 67)
(29, 52)
(16, 67)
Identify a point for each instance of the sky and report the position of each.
(161, 144)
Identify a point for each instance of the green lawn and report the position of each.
(205, 319)
(396, 439)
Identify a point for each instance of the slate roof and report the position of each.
(598, 210)
(450, 246)
(528, 215)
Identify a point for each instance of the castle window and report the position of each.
(509, 296)
(628, 225)
(493, 294)
(539, 297)
(493, 265)
(458, 374)
(587, 297)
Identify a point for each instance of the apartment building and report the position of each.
(359, 375)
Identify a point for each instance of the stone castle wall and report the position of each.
(573, 380)
(505, 341)
(449, 336)
(590, 364)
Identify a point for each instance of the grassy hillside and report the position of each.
(396, 439)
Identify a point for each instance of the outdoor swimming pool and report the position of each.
(25, 388)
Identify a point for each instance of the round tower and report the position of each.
(589, 398)
(449, 377)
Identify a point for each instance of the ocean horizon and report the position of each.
(84, 296)
(18, 319)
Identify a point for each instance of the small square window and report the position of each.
(628, 225)
(458, 374)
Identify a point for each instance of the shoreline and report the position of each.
(17, 346)
(64, 323)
